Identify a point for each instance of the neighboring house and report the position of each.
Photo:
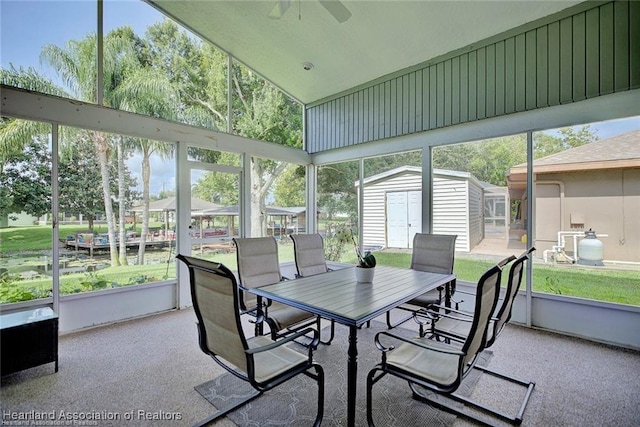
(595, 186)
(21, 219)
(392, 207)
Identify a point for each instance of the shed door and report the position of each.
(404, 218)
(414, 215)
(397, 229)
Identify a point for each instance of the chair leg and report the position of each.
(512, 419)
(333, 330)
(319, 378)
(222, 412)
(391, 326)
(371, 380)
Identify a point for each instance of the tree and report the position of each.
(546, 144)
(76, 65)
(263, 112)
(25, 181)
(488, 160)
(17, 134)
(290, 187)
(198, 72)
(78, 173)
(219, 187)
(337, 190)
(145, 90)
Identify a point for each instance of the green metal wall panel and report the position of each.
(481, 83)
(433, 107)
(500, 80)
(448, 90)
(464, 88)
(440, 94)
(619, 44)
(553, 58)
(510, 75)
(531, 70)
(490, 88)
(634, 44)
(578, 50)
(521, 72)
(473, 86)
(455, 90)
(542, 67)
(590, 52)
(418, 101)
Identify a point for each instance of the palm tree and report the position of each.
(147, 91)
(76, 65)
(129, 86)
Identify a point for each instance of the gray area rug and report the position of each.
(294, 402)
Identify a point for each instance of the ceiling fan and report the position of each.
(334, 7)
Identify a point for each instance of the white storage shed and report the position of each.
(392, 207)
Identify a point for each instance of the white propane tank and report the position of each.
(590, 249)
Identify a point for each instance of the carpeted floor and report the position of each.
(294, 403)
(149, 367)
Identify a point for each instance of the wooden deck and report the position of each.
(131, 244)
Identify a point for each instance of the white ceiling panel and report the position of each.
(379, 38)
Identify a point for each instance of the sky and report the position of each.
(28, 25)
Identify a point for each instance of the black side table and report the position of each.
(28, 338)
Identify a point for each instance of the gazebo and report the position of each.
(168, 204)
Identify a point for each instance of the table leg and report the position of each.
(447, 293)
(352, 375)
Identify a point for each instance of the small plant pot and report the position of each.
(364, 275)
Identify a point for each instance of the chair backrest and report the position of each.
(487, 293)
(513, 285)
(308, 250)
(258, 265)
(215, 302)
(434, 253)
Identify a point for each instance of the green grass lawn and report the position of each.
(591, 283)
(38, 237)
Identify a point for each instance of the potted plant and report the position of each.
(366, 263)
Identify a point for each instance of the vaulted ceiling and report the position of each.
(379, 38)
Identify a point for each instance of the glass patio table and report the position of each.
(336, 295)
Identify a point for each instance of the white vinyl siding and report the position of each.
(450, 209)
(476, 214)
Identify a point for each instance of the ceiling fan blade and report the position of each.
(336, 9)
(279, 9)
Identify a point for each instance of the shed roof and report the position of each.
(418, 171)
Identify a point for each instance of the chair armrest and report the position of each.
(259, 314)
(285, 340)
(439, 347)
(444, 311)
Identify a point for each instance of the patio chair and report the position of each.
(437, 366)
(260, 361)
(258, 265)
(308, 251)
(455, 324)
(434, 253)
